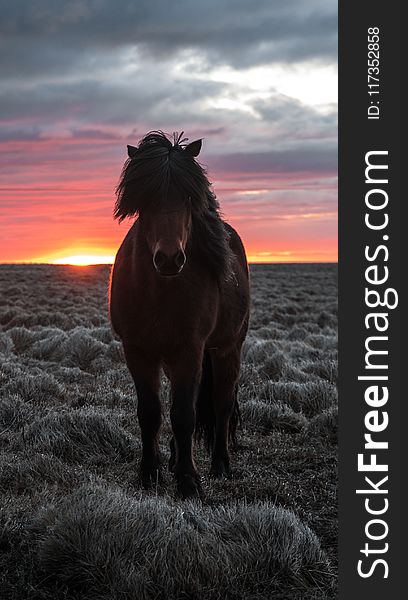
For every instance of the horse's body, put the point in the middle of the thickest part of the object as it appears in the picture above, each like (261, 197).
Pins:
(192, 324)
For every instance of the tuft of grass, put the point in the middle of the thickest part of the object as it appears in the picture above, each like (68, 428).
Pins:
(249, 376)
(81, 348)
(297, 333)
(79, 435)
(273, 366)
(256, 351)
(320, 395)
(103, 334)
(115, 352)
(105, 543)
(325, 369)
(310, 398)
(19, 474)
(273, 416)
(73, 375)
(6, 344)
(22, 339)
(270, 333)
(297, 375)
(322, 342)
(38, 389)
(325, 319)
(50, 347)
(323, 426)
(14, 413)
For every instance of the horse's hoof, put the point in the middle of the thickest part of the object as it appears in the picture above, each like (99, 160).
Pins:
(219, 470)
(150, 477)
(189, 486)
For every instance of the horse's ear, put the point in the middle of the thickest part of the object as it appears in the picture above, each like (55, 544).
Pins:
(131, 151)
(194, 148)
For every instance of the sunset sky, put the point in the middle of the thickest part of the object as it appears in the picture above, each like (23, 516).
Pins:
(81, 79)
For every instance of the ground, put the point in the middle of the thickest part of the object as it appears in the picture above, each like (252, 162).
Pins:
(74, 522)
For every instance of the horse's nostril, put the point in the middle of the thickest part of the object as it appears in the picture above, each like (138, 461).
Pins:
(159, 259)
(179, 259)
(169, 264)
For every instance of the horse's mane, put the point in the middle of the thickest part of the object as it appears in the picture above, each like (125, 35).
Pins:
(158, 164)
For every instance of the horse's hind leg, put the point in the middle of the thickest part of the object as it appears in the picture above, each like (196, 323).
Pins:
(145, 374)
(225, 376)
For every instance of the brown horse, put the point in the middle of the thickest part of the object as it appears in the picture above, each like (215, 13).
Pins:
(179, 299)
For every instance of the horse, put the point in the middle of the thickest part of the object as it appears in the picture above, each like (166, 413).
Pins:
(179, 301)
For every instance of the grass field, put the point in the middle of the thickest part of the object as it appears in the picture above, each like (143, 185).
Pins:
(74, 522)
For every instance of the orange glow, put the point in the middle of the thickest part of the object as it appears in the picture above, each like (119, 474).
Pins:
(291, 257)
(254, 255)
(83, 260)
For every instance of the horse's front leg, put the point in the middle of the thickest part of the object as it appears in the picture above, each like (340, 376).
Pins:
(145, 373)
(185, 374)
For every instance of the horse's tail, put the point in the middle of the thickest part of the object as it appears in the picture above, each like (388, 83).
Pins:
(235, 419)
(205, 414)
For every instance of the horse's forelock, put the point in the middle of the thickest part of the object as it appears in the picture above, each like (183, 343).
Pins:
(154, 165)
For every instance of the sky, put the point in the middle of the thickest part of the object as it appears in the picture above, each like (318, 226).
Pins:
(257, 80)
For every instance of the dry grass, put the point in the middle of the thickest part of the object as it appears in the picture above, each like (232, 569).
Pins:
(74, 522)
(109, 544)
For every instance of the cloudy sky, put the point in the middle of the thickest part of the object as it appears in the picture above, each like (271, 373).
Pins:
(80, 79)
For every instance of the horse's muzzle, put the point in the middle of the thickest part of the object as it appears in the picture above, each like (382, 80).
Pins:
(169, 265)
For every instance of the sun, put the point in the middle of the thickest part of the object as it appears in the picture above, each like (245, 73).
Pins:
(84, 260)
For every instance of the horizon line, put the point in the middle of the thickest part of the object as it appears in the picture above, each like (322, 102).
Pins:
(272, 262)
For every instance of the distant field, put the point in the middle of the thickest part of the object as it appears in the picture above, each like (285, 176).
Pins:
(74, 522)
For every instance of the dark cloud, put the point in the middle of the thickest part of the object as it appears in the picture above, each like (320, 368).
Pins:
(11, 133)
(144, 96)
(313, 156)
(93, 134)
(49, 35)
(295, 119)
